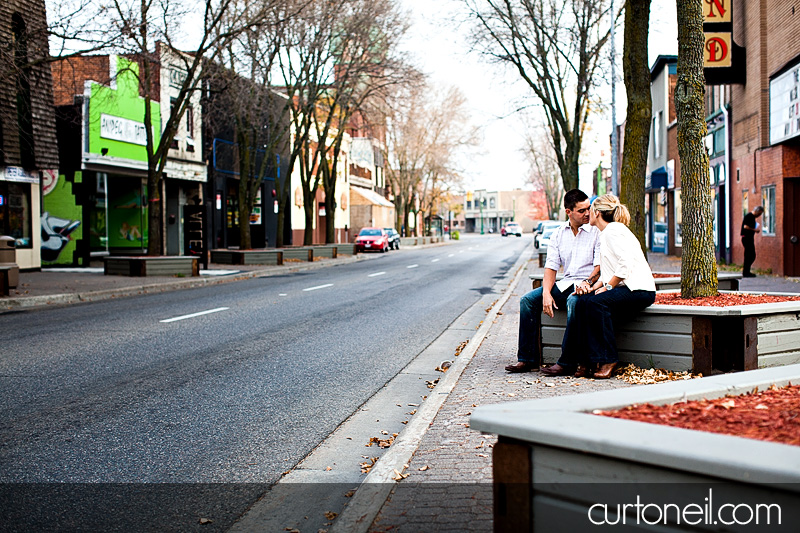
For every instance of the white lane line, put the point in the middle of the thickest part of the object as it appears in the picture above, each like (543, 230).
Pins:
(283, 294)
(201, 313)
(434, 260)
(451, 255)
(412, 266)
(376, 274)
(318, 287)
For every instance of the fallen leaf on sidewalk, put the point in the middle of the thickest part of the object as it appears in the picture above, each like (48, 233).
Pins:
(549, 384)
(204, 521)
(482, 455)
(511, 394)
(423, 468)
(461, 347)
(328, 469)
(349, 494)
(432, 384)
(398, 476)
(367, 466)
(330, 515)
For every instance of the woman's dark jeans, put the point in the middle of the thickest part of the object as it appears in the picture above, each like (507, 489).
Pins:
(597, 315)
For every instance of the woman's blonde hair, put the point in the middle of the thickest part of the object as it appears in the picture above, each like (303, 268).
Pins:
(611, 210)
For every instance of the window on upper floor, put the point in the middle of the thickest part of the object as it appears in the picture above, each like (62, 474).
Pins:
(657, 119)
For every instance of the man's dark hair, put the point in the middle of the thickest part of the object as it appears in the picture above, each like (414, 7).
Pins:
(572, 198)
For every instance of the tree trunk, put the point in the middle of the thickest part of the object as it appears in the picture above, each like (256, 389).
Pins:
(569, 167)
(640, 111)
(698, 266)
(155, 244)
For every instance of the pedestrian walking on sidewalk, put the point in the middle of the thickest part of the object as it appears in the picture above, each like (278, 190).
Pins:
(626, 286)
(576, 247)
(749, 229)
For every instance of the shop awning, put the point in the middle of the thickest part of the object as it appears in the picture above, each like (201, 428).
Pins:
(656, 180)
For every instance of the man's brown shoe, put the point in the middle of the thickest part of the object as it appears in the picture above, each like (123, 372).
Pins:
(605, 371)
(556, 370)
(583, 372)
(522, 366)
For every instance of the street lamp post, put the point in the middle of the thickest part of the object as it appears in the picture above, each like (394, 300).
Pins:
(480, 205)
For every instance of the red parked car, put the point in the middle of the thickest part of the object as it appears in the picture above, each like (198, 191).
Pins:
(372, 239)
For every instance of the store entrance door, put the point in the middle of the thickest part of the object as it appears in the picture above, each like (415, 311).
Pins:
(791, 235)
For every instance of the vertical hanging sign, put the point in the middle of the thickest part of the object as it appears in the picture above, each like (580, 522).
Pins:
(723, 59)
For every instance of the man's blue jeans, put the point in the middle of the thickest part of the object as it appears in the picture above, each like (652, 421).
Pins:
(530, 320)
(599, 313)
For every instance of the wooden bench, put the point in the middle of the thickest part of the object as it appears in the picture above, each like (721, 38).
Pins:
(144, 266)
(247, 257)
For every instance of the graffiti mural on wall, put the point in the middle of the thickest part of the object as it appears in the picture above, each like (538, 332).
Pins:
(61, 221)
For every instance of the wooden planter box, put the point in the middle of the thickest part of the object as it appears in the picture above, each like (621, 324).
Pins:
(302, 253)
(699, 338)
(346, 249)
(141, 266)
(247, 257)
(557, 467)
(330, 251)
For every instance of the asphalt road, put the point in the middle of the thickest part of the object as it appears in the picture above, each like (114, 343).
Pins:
(219, 390)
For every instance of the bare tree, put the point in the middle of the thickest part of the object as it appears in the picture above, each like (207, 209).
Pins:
(637, 124)
(544, 173)
(368, 63)
(698, 267)
(244, 95)
(424, 140)
(555, 47)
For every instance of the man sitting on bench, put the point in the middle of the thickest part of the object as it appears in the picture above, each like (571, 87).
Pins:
(576, 247)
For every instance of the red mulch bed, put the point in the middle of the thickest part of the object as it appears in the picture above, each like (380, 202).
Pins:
(722, 300)
(663, 275)
(772, 415)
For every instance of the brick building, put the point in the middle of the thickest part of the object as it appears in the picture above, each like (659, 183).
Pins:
(765, 136)
(28, 149)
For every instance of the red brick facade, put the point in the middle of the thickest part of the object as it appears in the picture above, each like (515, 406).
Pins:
(770, 32)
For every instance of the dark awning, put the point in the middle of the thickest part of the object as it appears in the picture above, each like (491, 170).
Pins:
(656, 180)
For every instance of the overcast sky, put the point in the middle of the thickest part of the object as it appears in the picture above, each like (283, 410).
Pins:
(493, 95)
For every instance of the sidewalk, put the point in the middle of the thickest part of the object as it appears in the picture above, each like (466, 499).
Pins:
(448, 487)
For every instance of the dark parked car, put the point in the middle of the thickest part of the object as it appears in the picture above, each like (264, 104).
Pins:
(372, 239)
(394, 238)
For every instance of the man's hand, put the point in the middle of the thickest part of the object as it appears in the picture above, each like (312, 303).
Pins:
(548, 304)
(582, 287)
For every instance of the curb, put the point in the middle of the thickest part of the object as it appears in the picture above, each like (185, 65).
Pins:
(31, 302)
(373, 491)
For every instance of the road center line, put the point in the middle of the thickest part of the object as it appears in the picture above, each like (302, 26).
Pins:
(451, 255)
(318, 287)
(376, 274)
(184, 317)
(412, 266)
(434, 260)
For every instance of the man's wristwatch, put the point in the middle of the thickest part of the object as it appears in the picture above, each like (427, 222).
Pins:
(608, 286)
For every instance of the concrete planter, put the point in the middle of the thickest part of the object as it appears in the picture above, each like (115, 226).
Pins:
(699, 338)
(151, 266)
(555, 461)
(247, 257)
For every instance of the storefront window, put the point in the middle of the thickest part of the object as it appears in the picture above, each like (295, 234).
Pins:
(15, 212)
(768, 196)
